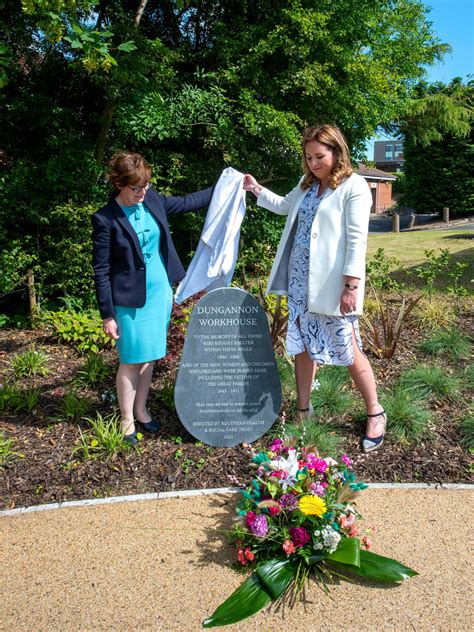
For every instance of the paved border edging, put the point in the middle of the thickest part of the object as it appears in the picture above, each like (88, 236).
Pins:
(202, 492)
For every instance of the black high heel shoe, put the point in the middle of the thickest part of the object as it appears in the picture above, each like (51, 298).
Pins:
(369, 444)
(153, 426)
(131, 438)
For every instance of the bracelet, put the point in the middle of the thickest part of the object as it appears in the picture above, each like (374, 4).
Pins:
(349, 286)
(256, 186)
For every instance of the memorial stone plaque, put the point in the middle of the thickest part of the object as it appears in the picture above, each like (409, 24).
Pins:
(228, 389)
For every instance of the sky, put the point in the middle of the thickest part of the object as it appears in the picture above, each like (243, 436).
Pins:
(453, 24)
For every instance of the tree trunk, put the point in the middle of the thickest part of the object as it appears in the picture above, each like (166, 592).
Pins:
(139, 13)
(107, 119)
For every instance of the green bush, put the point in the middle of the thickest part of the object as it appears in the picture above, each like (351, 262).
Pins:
(72, 406)
(331, 397)
(13, 399)
(7, 454)
(29, 363)
(104, 438)
(430, 382)
(447, 342)
(93, 373)
(83, 330)
(407, 421)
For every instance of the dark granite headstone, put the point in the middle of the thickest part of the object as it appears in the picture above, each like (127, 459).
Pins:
(228, 389)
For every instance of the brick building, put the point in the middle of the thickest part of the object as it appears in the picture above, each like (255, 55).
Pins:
(380, 184)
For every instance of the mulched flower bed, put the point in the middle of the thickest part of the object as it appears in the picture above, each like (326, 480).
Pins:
(48, 471)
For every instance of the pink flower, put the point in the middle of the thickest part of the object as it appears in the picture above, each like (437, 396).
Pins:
(354, 532)
(250, 518)
(351, 519)
(299, 536)
(319, 465)
(259, 526)
(288, 547)
(346, 460)
(274, 511)
(343, 522)
(367, 542)
(276, 446)
(241, 557)
(249, 555)
(317, 489)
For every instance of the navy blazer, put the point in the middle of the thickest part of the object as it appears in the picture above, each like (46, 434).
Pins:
(119, 268)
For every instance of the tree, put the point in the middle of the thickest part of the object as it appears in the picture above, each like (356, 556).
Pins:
(194, 85)
(438, 148)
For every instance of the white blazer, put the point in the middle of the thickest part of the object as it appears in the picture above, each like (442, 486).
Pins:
(338, 242)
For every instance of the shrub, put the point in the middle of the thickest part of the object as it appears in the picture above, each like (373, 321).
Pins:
(14, 399)
(10, 397)
(434, 314)
(447, 342)
(81, 329)
(29, 363)
(408, 421)
(430, 382)
(378, 271)
(104, 438)
(7, 454)
(72, 406)
(93, 373)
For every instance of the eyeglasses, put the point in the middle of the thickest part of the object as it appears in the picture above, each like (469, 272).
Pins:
(138, 189)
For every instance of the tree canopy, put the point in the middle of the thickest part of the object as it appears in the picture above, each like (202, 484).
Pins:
(194, 86)
(438, 136)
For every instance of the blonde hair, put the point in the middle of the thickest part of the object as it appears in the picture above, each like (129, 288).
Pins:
(333, 138)
(127, 168)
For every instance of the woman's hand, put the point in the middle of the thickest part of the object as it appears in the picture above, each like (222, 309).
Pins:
(250, 184)
(109, 325)
(348, 302)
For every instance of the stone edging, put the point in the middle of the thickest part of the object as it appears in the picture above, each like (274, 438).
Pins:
(203, 492)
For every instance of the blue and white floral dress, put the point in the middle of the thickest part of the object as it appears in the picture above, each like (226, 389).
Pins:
(327, 339)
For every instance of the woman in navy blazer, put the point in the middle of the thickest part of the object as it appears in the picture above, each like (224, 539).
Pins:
(135, 263)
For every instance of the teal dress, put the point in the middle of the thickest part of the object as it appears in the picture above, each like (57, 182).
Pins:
(143, 330)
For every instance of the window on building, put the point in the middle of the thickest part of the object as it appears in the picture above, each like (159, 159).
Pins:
(389, 152)
(398, 150)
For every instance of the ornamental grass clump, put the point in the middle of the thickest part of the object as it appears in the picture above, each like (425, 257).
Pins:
(322, 435)
(430, 382)
(408, 420)
(448, 342)
(331, 396)
(298, 519)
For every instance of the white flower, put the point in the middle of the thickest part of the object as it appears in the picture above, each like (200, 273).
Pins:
(289, 466)
(331, 538)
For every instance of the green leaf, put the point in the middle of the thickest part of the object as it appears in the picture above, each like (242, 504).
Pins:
(127, 46)
(277, 575)
(348, 552)
(266, 584)
(379, 568)
(246, 600)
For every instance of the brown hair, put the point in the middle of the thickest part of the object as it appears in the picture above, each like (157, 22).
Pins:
(127, 168)
(332, 137)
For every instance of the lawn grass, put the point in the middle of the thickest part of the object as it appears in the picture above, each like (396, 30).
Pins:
(409, 248)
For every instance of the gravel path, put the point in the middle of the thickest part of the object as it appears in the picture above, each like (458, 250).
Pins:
(161, 565)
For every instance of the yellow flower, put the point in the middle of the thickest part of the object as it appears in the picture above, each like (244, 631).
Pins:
(312, 506)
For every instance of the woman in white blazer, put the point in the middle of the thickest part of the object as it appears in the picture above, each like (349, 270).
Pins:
(320, 266)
